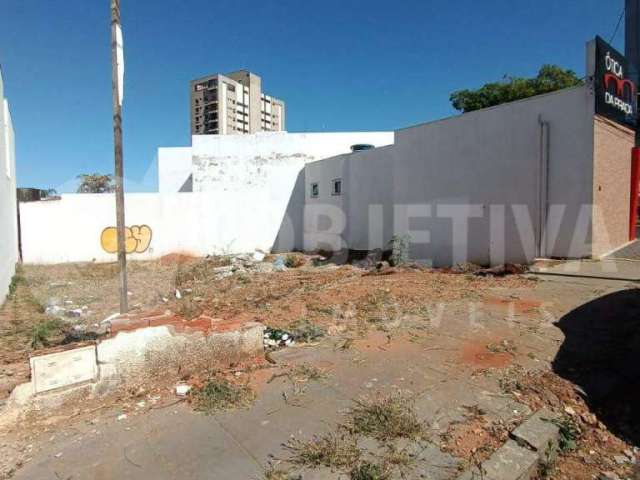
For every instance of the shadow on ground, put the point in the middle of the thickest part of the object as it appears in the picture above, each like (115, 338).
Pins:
(601, 354)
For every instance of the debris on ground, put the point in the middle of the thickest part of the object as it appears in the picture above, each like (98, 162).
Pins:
(496, 271)
(466, 267)
(307, 302)
(275, 338)
(279, 264)
(305, 331)
(503, 270)
(372, 260)
(182, 390)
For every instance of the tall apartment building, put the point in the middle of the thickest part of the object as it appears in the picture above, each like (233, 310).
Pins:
(233, 104)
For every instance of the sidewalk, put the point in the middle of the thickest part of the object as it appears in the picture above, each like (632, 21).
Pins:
(606, 269)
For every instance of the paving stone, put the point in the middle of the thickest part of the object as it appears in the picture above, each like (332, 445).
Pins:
(509, 462)
(371, 447)
(502, 407)
(322, 473)
(434, 464)
(538, 431)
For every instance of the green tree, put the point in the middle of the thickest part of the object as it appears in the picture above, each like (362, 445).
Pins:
(96, 183)
(550, 78)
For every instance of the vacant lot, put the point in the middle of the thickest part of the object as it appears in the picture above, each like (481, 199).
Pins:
(65, 304)
(450, 362)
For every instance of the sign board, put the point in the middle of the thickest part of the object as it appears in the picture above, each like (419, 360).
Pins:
(616, 94)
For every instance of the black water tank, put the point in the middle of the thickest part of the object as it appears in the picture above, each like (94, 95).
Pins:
(359, 147)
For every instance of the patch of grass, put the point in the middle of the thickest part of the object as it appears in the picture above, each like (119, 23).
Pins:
(307, 373)
(273, 473)
(569, 434)
(305, 331)
(18, 279)
(510, 384)
(399, 250)
(377, 300)
(397, 458)
(336, 450)
(369, 471)
(219, 394)
(385, 417)
(42, 332)
(294, 260)
(202, 271)
(505, 346)
(189, 308)
(379, 308)
(547, 463)
(326, 310)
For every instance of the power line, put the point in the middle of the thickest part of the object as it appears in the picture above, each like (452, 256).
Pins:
(615, 32)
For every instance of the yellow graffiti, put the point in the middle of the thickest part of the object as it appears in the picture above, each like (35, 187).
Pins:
(137, 239)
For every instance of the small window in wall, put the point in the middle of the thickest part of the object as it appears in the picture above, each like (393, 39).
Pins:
(336, 186)
(315, 190)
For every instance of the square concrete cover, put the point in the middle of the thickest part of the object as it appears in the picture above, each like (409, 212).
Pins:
(62, 369)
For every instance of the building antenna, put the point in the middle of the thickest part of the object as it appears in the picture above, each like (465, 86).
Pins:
(615, 32)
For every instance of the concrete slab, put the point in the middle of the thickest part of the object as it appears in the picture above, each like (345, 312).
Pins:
(63, 369)
(538, 432)
(163, 445)
(509, 462)
(435, 465)
(272, 421)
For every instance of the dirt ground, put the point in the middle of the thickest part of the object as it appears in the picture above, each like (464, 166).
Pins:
(330, 297)
(395, 310)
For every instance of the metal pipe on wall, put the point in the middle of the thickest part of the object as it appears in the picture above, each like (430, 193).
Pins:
(543, 189)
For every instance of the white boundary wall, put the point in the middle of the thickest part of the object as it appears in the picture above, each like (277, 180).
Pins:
(237, 162)
(245, 195)
(485, 167)
(8, 212)
(69, 229)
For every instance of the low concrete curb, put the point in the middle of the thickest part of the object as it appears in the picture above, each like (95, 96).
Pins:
(518, 459)
(96, 369)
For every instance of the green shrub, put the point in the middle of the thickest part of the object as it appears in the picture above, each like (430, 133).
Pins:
(43, 331)
(294, 260)
(399, 250)
(369, 471)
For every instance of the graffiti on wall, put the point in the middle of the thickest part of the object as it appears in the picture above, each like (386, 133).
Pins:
(137, 239)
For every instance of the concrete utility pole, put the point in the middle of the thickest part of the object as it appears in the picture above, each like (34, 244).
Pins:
(117, 77)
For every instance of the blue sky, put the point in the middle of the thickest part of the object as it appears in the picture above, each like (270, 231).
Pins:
(339, 65)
